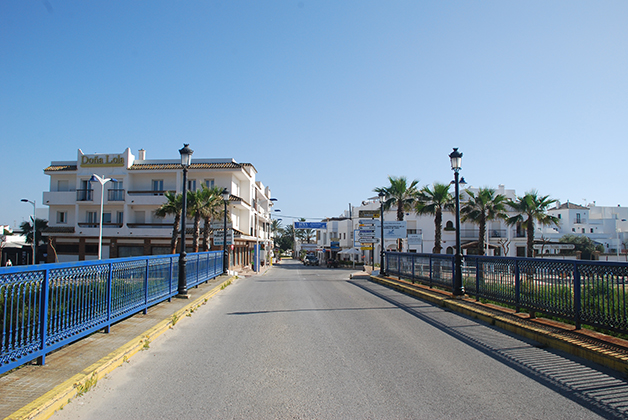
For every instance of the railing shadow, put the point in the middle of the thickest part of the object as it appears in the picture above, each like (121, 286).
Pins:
(601, 392)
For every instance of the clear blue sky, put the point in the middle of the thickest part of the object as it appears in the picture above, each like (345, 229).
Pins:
(325, 98)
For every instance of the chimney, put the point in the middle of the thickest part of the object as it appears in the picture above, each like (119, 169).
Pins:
(141, 154)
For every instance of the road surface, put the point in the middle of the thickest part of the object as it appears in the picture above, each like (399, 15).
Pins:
(310, 343)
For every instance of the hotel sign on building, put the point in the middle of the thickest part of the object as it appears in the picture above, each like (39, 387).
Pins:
(137, 188)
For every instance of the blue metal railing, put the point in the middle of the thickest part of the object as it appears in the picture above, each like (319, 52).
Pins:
(585, 292)
(48, 306)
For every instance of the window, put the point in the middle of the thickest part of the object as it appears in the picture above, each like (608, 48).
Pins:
(63, 185)
(116, 192)
(106, 218)
(62, 217)
(191, 185)
(158, 186)
(582, 230)
(591, 230)
(92, 217)
(140, 217)
(120, 217)
(209, 183)
(578, 218)
(521, 251)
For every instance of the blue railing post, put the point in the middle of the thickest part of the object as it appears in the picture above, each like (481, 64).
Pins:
(430, 271)
(577, 295)
(43, 317)
(109, 297)
(517, 286)
(413, 261)
(145, 311)
(477, 279)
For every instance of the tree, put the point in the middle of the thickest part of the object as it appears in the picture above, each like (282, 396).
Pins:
(583, 244)
(27, 229)
(481, 208)
(173, 205)
(531, 208)
(434, 201)
(212, 208)
(400, 195)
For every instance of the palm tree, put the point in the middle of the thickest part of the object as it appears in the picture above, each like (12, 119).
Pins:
(400, 195)
(434, 201)
(211, 210)
(27, 229)
(531, 208)
(481, 208)
(173, 205)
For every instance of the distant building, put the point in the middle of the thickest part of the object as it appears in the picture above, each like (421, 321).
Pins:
(130, 224)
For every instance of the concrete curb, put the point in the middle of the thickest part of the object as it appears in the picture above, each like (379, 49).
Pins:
(567, 340)
(55, 399)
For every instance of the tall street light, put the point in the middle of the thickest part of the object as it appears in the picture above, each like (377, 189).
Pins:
(381, 196)
(25, 200)
(186, 160)
(102, 180)
(225, 254)
(456, 164)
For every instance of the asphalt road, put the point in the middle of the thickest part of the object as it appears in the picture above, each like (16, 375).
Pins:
(309, 343)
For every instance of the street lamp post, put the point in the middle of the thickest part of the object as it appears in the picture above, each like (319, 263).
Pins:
(225, 258)
(25, 200)
(381, 196)
(102, 180)
(456, 165)
(186, 160)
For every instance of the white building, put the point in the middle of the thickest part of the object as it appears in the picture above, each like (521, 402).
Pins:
(130, 225)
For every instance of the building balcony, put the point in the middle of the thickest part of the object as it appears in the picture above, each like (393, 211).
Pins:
(60, 198)
(115, 195)
(95, 225)
(146, 197)
(85, 195)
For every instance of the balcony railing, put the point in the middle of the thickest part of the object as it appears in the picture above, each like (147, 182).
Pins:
(85, 195)
(115, 195)
(150, 192)
(96, 224)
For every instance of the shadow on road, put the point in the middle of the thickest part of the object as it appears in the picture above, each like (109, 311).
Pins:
(602, 393)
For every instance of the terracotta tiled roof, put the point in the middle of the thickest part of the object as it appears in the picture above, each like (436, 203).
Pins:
(56, 168)
(569, 205)
(217, 165)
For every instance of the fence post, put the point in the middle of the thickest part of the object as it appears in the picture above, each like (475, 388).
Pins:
(413, 260)
(145, 311)
(577, 295)
(43, 316)
(399, 265)
(453, 274)
(517, 286)
(477, 279)
(109, 297)
(170, 279)
(430, 271)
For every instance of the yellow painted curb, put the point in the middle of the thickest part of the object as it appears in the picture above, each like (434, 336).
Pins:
(46, 405)
(572, 346)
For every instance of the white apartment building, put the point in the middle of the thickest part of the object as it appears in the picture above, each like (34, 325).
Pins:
(604, 225)
(130, 225)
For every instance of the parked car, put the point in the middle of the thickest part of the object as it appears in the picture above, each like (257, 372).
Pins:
(310, 260)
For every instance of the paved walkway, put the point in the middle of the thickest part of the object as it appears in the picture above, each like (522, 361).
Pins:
(37, 391)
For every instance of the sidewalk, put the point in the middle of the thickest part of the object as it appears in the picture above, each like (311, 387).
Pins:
(38, 391)
(600, 348)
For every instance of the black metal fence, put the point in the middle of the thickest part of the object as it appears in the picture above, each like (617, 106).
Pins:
(586, 292)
